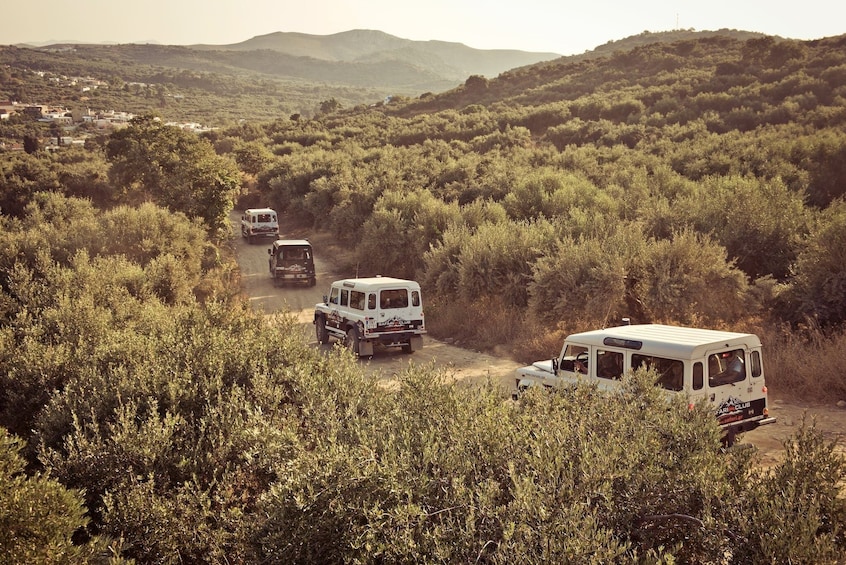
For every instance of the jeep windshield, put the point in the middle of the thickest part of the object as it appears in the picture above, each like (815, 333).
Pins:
(575, 358)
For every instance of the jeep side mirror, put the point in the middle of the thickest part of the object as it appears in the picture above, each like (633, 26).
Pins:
(555, 365)
(269, 251)
(325, 299)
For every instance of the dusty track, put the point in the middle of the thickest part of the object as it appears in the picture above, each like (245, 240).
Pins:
(472, 366)
(461, 364)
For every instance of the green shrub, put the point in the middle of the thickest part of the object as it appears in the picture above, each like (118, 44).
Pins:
(39, 517)
(818, 290)
(795, 512)
(688, 279)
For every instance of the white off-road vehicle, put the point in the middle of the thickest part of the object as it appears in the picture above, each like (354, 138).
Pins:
(259, 223)
(365, 312)
(726, 368)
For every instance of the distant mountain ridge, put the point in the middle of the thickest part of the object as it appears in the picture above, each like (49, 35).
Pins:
(293, 73)
(453, 61)
(358, 58)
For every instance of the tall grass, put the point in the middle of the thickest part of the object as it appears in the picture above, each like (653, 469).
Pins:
(808, 363)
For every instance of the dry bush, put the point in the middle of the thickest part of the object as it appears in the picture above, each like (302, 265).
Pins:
(482, 324)
(494, 326)
(537, 341)
(806, 362)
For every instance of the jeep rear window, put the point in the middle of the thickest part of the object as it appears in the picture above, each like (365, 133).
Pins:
(726, 368)
(757, 371)
(295, 253)
(396, 298)
(264, 218)
(698, 379)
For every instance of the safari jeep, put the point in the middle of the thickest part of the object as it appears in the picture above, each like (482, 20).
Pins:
(725, 368)
(365, 312)
(259, 222)
(291, 261)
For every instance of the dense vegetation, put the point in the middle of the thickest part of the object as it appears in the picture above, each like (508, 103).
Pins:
(691, 182)
(147, 414)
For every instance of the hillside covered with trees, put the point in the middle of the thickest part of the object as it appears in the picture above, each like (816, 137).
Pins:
(148, 415)
(691, 182)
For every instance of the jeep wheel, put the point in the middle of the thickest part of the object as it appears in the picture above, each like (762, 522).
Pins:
(352, 340)
(320, 330)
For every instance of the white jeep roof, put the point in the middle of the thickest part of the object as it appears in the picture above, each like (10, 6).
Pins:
(281, 242)
(668, 341)
(376, 281)
(259, 211)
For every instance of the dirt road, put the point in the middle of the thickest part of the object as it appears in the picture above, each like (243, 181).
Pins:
(472, 366)
(462, 364)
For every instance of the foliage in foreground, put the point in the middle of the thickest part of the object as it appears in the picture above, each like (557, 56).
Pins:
(197, 431)
(39, 516)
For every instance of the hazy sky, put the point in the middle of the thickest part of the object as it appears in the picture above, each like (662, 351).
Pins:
(559, 26)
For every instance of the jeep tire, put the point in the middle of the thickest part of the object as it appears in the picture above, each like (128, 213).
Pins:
(321, 331)
(352, 340)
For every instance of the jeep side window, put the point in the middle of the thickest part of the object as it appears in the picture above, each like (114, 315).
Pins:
(698, 376)
(757, 371)
(357, 300)
(609, 364)
(415, 298)
(371, 301)
(670, 371)
(333, 295)
(575, 358)
(345, 297)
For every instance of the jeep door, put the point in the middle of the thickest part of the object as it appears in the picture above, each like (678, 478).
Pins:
(337, 297)
(727, 378)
